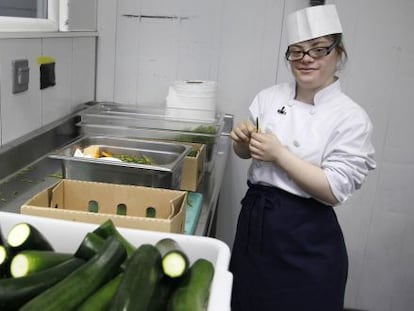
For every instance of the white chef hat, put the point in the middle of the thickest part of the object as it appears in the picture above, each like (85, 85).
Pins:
(312, 22)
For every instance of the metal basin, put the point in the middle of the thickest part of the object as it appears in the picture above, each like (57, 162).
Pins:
(163, 172)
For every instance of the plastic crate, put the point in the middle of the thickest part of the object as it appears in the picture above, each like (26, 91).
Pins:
(65, 236)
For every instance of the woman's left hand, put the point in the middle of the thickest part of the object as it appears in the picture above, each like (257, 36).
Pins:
(265, 146)
(311, 178)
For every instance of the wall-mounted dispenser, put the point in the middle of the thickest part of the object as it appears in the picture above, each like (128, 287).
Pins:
(47, 71)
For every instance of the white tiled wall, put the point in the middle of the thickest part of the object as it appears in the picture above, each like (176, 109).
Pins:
(75, 82)
(22, 112)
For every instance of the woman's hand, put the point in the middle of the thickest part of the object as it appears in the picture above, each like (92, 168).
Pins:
(240, 135)
(311, 178)
(265, 147)
(242, 131)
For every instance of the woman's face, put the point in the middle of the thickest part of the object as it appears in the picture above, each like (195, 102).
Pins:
(314, 73)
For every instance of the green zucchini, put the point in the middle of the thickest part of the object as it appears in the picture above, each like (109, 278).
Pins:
(174, 261)
(141, 278)
(108, 229)
(193, 294)
(14, 292)
(163, 292)
(101, 299)
(4, 261)
(79, 285)
(2, 239)
(89, 246)
(4, 257)
(27, 262)
(25, 236)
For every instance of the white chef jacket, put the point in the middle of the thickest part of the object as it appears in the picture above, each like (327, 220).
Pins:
(334, 134)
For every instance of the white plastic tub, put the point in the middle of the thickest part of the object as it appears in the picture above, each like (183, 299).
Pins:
(65, 236)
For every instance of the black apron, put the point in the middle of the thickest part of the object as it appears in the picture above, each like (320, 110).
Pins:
(288, 255)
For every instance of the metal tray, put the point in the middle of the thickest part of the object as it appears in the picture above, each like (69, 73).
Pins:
(166, 171)
(146, 133)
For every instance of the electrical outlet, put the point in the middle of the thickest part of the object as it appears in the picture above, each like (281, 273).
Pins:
(21, 72)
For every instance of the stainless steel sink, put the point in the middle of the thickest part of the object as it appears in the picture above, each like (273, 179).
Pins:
(25, 168)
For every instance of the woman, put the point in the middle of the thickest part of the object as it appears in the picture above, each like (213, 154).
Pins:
(311, 149)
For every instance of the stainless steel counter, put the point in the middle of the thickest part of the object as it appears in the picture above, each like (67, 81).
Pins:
(26, 169)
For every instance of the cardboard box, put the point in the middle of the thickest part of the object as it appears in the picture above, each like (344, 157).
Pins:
(65, 236)
(193, 168)
(128, 206)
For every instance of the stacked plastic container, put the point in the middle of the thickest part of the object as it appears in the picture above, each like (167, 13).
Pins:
(193, 99)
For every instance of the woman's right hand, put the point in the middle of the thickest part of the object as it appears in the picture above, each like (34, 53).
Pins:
(242, 132)
(240, 135)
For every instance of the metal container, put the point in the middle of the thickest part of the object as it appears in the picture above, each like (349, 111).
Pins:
(210, 140)
(151, 117)
(164, 172)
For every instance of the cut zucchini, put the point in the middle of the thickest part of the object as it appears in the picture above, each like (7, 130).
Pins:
(193, 294)
(30, 261)
(3, 254)
(2, 240)
(4, 261)
(174, 261)
(140, 281)
(102, 298)
(79, 285)
(162, 293)
(108, 229)
(14, 292)
(90, 245)
(25, 236)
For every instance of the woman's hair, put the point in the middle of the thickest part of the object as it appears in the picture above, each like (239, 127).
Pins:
(340, 47)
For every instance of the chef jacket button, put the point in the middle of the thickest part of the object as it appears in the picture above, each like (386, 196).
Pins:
(296, 143)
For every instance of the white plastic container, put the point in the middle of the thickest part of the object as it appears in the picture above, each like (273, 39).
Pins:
(65, 236)
(196, 99)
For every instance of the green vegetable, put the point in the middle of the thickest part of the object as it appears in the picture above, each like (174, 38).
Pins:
(79, 285)
(193, 294)
(101, 299)
(135, 159)
(174, 261)
(163, 292)
(27, 262)
(14, 292)
(193, 153)
(25, 236)
(108, 229)
(205, 137)
(90, 245)
(140, 281)
(4, 261)
(2, 239)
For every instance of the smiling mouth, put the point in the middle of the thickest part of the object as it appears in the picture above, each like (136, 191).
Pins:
(306, 70)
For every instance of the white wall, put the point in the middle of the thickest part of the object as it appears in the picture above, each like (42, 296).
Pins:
(24, 112)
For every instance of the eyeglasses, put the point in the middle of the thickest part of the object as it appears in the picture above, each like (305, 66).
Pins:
(318, 52)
